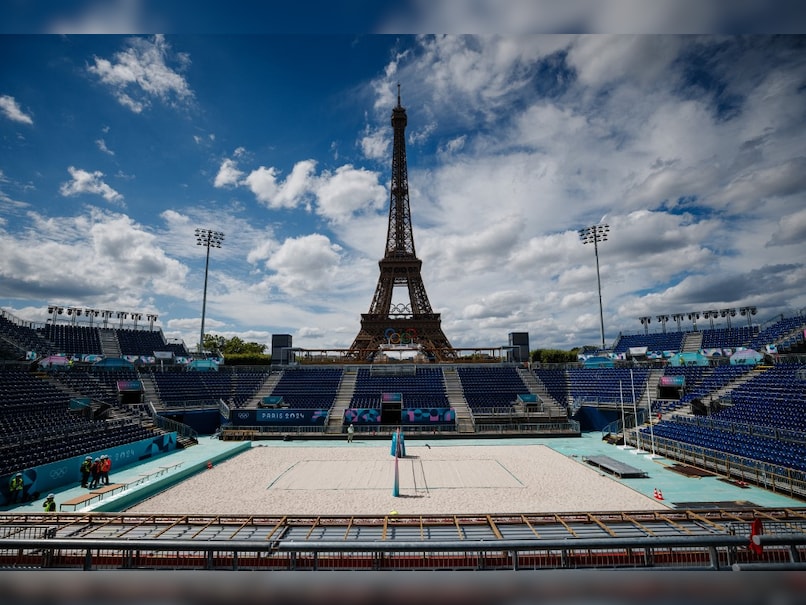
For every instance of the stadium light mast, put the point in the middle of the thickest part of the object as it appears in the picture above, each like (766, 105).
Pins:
(594, 235)
(209, 239)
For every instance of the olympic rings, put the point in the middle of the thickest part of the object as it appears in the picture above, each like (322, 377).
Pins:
(393, 337)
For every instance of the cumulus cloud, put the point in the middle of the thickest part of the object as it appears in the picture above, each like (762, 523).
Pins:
(287, 193)
(89, 258)
(141, 72)
(89, 182)
(302, 263)
(228, 174)
(348, 190)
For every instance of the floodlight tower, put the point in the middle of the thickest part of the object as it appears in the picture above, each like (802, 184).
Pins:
(209, 239)
(594, 235)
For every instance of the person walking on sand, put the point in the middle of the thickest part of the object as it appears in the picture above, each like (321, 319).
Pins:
(350, 431)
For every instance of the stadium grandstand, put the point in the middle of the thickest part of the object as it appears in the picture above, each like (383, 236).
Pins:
(729, 403)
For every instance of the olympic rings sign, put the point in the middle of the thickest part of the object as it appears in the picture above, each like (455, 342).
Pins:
(393, 337)
(58, 473)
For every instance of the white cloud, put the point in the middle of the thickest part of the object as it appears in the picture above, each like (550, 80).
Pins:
(89, 182)
(11, 109)
(107, 17)
(347, 191)
(228, 174)
(141, 72)
(288, 193)
(375, 143)
(595, 16)
(94, 258)
(600, 60)
(102, 146)
(791, 230)
(301, 264)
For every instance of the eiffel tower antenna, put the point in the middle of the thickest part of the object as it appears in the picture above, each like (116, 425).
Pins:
(413, 323)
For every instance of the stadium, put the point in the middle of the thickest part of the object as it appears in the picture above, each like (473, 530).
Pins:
(681, 449)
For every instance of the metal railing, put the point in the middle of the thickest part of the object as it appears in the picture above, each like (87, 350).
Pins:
(773, 477)
(716, 552)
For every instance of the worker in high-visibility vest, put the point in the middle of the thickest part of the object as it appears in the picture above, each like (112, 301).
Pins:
(15, 488)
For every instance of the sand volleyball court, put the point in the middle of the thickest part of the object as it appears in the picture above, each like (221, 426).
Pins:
(359, 480)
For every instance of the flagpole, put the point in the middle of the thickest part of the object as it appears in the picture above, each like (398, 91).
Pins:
(635, 411)
(624, 446)
(652, 430)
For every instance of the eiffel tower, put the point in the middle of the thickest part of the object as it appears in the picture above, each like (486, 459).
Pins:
(387, 323)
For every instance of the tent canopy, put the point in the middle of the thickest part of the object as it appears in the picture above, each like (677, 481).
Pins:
(688, 359)
(111, 363)
(746, 357)
(54, 361)
(599, 362)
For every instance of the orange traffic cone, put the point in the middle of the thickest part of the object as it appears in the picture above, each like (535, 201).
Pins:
(658, 494)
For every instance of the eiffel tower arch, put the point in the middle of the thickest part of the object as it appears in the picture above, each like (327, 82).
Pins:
(400, 323)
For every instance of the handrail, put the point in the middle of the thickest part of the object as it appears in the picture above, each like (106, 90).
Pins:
(659, 552)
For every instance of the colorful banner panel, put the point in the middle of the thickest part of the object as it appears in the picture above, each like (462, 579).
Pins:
(673, 381)
(408, 416)
(286, 416)
(130, 385)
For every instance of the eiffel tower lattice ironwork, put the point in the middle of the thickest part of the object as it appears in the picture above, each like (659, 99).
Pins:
(400, 323)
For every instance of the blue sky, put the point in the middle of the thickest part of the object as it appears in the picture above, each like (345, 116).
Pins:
(114, 148)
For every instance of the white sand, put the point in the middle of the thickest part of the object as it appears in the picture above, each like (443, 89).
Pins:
(359, 480)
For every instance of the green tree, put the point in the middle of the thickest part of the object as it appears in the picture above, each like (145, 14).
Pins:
(232, 346)
(554, 356)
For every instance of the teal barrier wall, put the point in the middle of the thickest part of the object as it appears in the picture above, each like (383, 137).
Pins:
(46, 478)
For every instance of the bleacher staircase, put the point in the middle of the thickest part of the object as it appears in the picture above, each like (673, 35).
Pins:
(110, 347)
(551, 406)
(265, 389)
(692, 342)
(335, 420)
(150, 391)
(456, 399)
(651, 389)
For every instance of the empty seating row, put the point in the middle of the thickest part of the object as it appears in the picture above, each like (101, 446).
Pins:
(666, 341)
(774, 397)
(753, 447)
(309, 388)
(425, 388)
(206, 388)
(724, 338)
(607, 384)
(781, 328)
(491, 389)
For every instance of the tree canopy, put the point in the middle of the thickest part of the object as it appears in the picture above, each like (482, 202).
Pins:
(232, 346)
